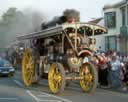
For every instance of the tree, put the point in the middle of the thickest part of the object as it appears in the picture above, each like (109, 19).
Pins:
(15, 23)
(9, 16)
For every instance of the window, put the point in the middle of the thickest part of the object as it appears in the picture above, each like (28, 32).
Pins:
(110, 43)
(110, 19)
(123, 11)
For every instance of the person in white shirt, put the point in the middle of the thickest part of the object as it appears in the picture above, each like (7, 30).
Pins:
(115, 72)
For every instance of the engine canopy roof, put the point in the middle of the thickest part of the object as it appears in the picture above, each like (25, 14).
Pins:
(87, 28)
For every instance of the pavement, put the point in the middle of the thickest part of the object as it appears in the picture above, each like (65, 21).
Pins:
(12, 89)
(119, 90)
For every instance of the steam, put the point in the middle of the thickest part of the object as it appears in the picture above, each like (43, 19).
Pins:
(69, 15)
(28, 21)
(25, 22)
(72, 13)
(35, 19)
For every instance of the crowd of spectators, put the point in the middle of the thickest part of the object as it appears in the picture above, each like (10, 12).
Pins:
(112, 70)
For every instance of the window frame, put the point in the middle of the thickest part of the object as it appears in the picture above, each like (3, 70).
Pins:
(108, 44)
(107, 16)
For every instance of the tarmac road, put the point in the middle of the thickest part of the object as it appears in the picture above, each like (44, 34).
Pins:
(13, 90)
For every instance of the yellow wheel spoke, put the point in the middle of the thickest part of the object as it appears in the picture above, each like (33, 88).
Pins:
(27, 67)
(54, 78)
(86, 82)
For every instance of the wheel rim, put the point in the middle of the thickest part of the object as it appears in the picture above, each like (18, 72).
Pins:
(87, 77)
(27, 67)
(54, 78)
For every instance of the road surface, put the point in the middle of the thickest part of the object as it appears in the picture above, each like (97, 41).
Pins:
(13, 90)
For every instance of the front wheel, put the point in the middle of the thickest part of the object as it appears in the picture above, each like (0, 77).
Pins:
(56, 78)
(89, 78)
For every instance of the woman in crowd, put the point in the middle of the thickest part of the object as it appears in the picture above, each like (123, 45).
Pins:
(103, 71)
(115, 72)
(126, 73)
(122, 76)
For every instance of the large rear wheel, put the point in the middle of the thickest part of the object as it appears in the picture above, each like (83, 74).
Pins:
(56, 78)
(88, 74)
(27, 67)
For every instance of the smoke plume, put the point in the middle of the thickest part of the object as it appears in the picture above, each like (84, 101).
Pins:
(72, 13)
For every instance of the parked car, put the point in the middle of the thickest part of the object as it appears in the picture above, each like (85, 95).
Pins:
(6, 67)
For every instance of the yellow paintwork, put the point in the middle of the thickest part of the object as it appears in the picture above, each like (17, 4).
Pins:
(87, 77)
(54, 78)
(27, 67)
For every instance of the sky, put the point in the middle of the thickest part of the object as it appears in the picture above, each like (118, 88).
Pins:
(88, 9)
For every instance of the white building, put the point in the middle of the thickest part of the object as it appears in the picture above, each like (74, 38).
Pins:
(116, 20)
